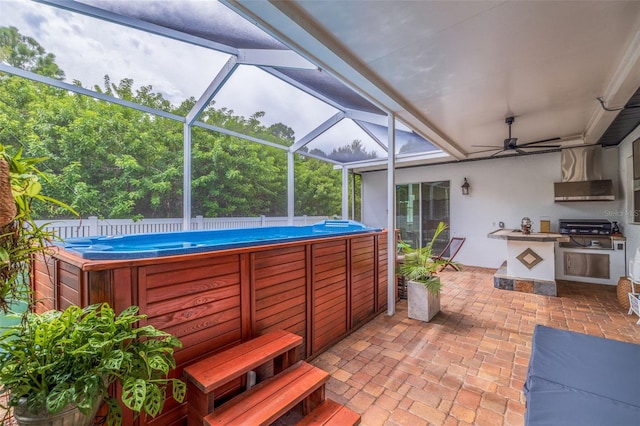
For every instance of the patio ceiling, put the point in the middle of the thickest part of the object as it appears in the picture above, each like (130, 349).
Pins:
(455, 70)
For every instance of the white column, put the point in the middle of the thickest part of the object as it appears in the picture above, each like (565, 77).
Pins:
(345, 193)
(353, 196)
(186, 189)
(290, 188)
(391, 217)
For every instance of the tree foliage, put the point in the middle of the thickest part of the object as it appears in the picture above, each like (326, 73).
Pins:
(115, 162)
(26, 53)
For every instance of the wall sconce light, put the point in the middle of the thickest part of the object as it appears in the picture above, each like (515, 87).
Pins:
(465, 187)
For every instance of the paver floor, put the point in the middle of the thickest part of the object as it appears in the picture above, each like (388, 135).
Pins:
(468, 365)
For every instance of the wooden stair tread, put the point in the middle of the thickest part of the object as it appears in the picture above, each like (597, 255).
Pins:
(271, 399)
(330, 413)
(218, 369)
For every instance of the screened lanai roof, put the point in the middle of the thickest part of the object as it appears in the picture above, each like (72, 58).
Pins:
(206, 51)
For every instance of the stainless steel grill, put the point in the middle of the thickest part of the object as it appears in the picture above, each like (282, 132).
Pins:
(585, 226)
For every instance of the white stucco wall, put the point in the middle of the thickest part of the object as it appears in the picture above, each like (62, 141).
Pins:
(625, 215)
(502, 189)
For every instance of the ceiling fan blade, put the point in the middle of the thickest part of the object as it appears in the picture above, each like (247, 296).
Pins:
(540, 147)
(487, 150)
(496, 153)
(537, 142)
(520, 151)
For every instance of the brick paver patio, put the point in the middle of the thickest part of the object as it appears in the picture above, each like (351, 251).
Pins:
(468, 365)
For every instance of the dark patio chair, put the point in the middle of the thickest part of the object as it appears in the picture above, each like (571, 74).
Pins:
(449, 252)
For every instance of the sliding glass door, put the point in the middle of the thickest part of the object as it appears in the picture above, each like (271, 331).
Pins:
(435, 209)
(419, 209)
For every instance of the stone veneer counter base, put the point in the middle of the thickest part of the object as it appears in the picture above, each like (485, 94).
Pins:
(524, 285)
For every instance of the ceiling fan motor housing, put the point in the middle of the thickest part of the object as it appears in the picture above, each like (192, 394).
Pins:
(510, 143)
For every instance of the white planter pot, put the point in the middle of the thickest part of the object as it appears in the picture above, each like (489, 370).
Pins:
(69, 416)
(422, 304)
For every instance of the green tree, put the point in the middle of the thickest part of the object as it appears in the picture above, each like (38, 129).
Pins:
(115, 162)
(355, 151)
(317, 188)
(26, 53)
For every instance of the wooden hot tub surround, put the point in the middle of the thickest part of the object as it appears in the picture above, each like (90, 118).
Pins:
(320, 289)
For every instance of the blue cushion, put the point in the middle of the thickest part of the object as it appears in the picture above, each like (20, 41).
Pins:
(574, 378)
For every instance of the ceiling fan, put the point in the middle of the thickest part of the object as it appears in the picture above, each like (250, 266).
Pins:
(510, 144)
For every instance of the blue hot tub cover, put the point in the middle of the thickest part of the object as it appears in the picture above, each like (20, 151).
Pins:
(138, 246)
(578, 379)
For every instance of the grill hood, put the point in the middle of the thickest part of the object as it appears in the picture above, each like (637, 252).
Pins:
(582, 176)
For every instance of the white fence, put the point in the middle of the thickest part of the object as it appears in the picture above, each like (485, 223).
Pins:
(93, 226)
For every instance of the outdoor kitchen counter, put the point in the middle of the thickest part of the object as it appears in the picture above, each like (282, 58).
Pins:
(530, 261)
(516, 235)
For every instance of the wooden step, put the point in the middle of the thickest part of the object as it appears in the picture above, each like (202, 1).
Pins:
(221, 368)
(269, 400)
(330, 413)
(210, 373)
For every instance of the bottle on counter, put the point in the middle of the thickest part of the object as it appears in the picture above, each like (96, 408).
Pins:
(545, 224)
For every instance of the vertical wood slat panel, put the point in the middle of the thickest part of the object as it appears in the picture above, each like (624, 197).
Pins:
(45, 283)
(329, 320)
(280, 290)
(362, 279)
(247, 296)
(383, 281)
(69, 286)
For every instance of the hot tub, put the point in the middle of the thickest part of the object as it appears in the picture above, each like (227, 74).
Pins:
(218, 288)
(141, 246)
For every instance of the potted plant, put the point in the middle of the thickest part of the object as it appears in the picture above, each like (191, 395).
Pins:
(420, 269)
(61, 364)
(20, 237)
(58, 366)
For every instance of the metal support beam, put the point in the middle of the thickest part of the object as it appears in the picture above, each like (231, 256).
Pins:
(295, 83)
(345, 193)
(331, 121)
(371, 135)
(290, 188)
(223, 75)
(274, 58)
(239, 135)
(186, 189)
(82, 91)
(391, 219)
(353, 195)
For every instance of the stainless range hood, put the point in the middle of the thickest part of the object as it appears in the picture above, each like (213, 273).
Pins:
(582, 176)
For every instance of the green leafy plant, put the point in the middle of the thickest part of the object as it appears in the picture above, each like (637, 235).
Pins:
(421, 265)
(22, 238)
(57, 358)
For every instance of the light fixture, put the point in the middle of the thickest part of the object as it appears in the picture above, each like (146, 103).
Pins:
(465, 187)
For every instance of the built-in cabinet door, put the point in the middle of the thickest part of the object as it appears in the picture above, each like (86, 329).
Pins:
(591, 265)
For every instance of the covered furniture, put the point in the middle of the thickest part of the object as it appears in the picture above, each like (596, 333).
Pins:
(577, 379)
